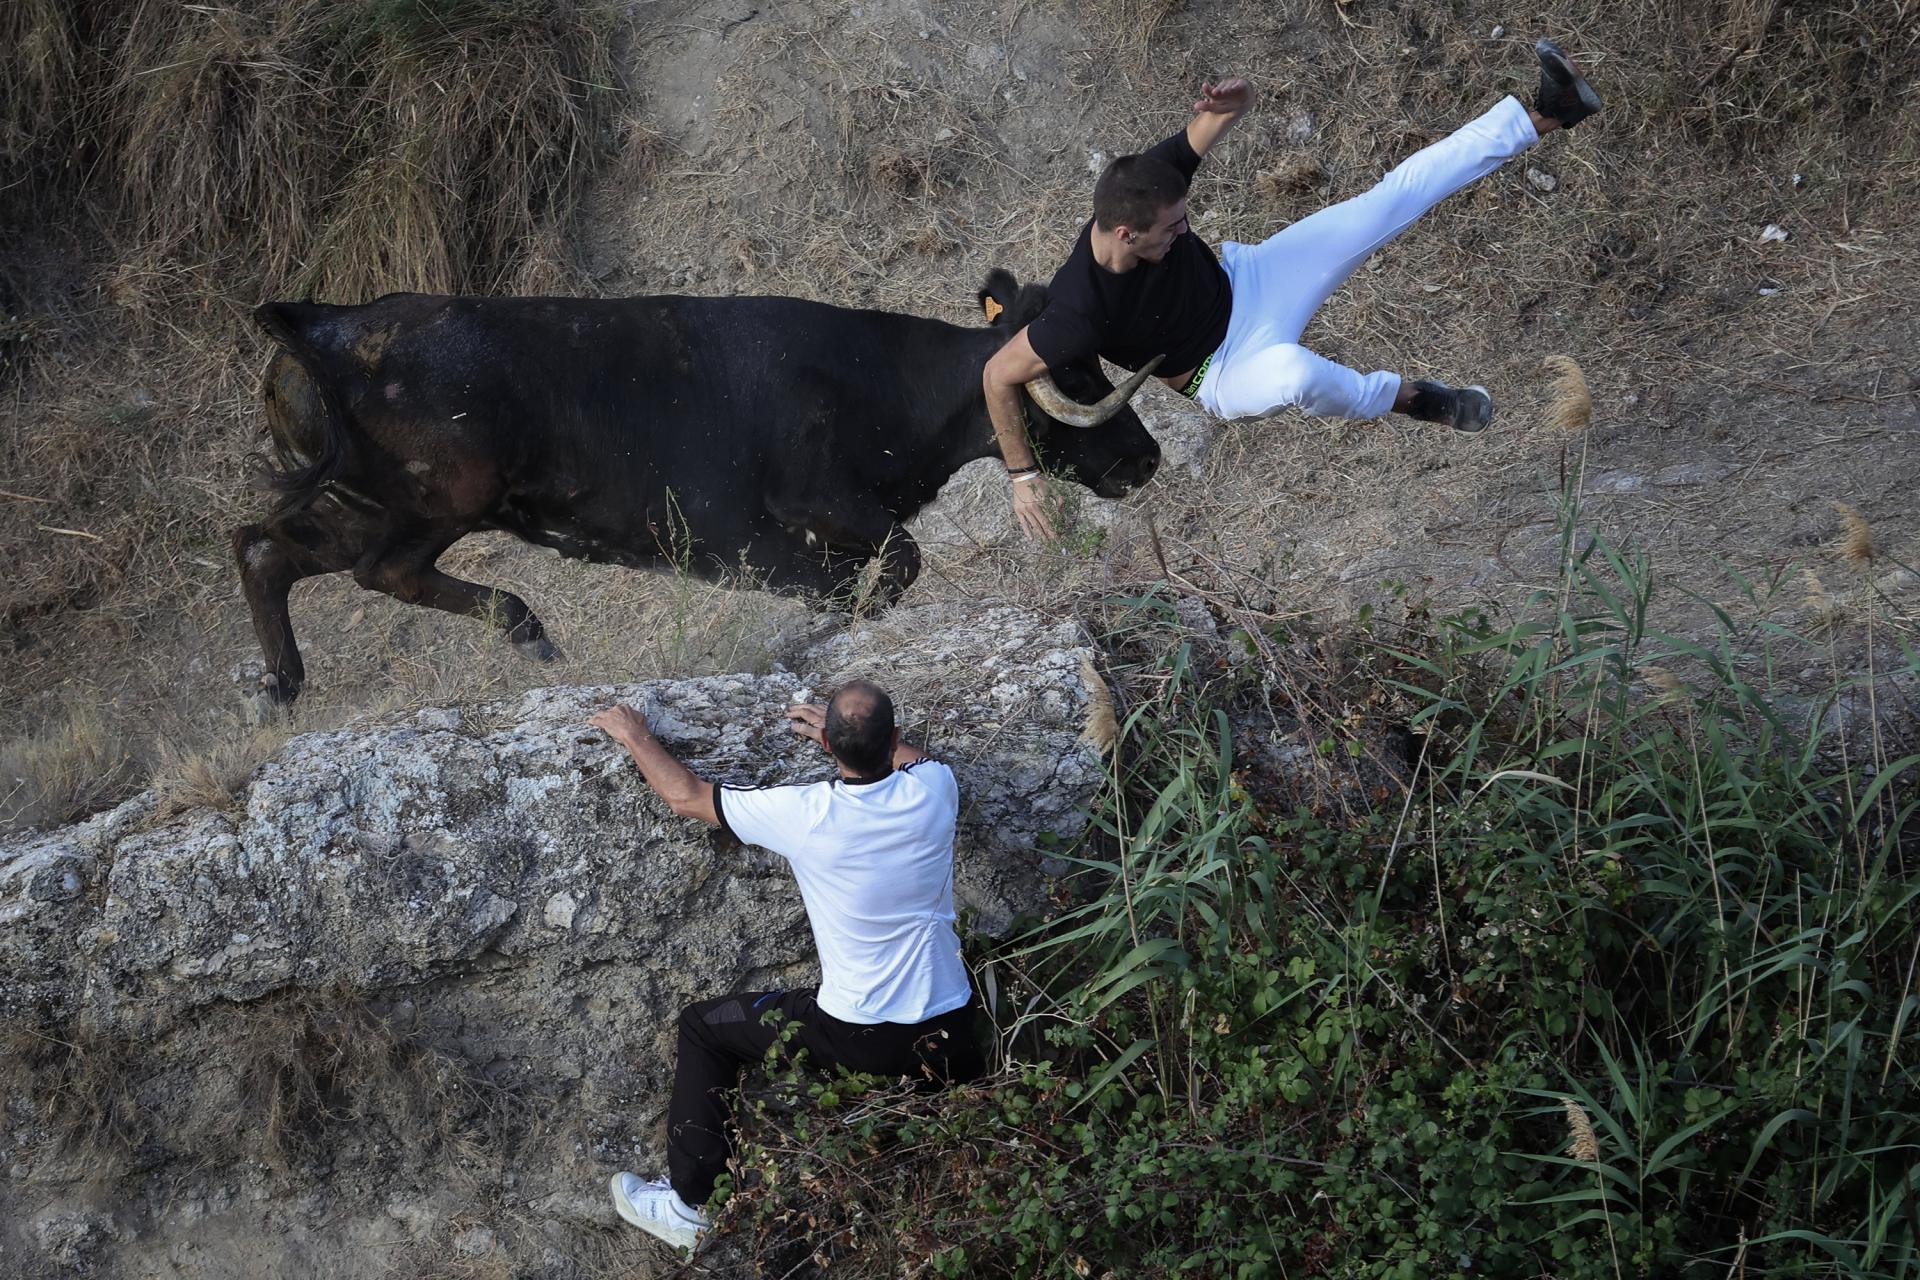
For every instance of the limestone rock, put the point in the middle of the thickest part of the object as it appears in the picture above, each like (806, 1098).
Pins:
(393, 856)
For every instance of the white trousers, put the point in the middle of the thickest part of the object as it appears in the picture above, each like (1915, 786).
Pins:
(1278, 284)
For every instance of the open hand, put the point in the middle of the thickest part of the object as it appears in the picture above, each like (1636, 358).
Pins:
(622, 723)
(809, 720)
(1230, 97)
(1031, 510)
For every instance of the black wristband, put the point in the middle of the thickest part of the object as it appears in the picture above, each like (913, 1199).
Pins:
(1022, 471)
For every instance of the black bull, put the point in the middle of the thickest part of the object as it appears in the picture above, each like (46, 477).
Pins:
(785, 438)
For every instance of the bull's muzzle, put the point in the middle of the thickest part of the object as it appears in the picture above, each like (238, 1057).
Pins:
(1056, 404)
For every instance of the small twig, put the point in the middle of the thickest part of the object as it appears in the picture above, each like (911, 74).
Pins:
(73, 533)
(23, 497)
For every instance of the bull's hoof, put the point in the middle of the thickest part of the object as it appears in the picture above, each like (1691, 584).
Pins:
(271, 699)
(540, 649)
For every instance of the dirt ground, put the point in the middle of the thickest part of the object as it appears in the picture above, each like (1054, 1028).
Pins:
(888, 153)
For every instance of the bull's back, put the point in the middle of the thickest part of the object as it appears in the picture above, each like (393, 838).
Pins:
(599, 418)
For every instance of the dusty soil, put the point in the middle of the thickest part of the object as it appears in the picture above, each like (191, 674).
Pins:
(888, 153)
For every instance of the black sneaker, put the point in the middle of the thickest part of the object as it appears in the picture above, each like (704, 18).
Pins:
(1564, 93)
(1465, 409)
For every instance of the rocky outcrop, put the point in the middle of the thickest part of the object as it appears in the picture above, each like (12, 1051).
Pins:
(500, 887)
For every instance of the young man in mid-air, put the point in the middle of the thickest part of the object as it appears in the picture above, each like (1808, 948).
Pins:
(1140, 288)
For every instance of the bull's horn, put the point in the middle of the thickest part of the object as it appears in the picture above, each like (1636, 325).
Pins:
(1060, 407)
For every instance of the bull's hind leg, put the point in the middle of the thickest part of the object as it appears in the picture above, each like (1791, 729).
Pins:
(324, 537)
(404, 569)
(843, 537)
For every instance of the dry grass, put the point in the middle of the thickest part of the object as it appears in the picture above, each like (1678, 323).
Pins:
(1282, 186)
(292, 1073)
(70, 767)
(347, 150)
(37, 60)
(215, 778)
(79, 1090)
(305, 1064)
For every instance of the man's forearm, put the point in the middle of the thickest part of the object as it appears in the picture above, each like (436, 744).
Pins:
(905, 753)
(685, 791)
(1207, 128)
(1009, 425)
(1219, 109)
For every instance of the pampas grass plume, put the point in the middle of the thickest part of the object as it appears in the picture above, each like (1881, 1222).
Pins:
(1856, 536)
(1102, 728)
(1572, 407)
(1666, 684)
(1582, 1142)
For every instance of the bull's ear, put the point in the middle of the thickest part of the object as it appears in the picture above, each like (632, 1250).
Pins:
(998, 294)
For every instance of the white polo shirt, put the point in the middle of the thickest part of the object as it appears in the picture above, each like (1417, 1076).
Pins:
(874, 861)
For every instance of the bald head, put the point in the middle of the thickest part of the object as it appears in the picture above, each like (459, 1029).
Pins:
(860, 728)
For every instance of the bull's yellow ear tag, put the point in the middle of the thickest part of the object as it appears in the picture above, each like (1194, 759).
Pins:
(993, 309)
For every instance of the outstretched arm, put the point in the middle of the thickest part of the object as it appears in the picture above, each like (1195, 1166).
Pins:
(1012, 367)
(686, 792)
(1218, 110)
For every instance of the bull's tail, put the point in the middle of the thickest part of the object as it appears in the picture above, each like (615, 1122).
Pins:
(300, 470)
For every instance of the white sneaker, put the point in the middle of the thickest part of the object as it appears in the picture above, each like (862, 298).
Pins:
(656, 1208)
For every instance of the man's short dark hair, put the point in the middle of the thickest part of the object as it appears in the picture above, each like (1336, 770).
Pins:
(860, 728)
(1135, 191)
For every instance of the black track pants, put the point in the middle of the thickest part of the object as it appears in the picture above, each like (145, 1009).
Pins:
(718, 1037)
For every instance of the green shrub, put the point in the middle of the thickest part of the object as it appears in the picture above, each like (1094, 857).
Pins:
(1623, 985)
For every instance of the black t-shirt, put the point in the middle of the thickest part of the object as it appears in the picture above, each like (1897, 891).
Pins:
(1179, 305)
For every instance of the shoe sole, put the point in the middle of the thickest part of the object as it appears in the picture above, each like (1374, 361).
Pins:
(1483, 424)
(624, 1207)
(1563, 65)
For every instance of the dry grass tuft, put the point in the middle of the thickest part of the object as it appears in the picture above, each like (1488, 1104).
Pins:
(293, 1071)
(81, 1088)
(347, 150)
(1582, 1142)
(1856, 536)
(305, 1063)
(63, 771)
(899, 172)
(1572, 406)
(1102, 726)
(1280, 187)
(215, 778)
(37, 58)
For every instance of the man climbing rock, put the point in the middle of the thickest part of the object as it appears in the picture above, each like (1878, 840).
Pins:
(1142, 290)
(872, 850)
